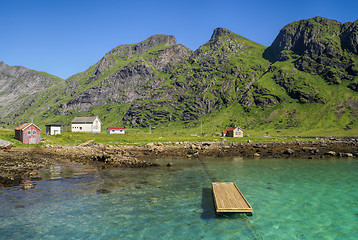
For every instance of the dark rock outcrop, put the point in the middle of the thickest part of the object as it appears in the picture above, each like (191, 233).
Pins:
(349, 37)
(353, 86)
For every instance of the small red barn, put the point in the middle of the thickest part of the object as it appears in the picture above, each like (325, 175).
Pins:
(28, 133)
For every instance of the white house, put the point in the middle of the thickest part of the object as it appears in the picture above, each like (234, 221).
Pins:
(116, 130)
(86, 124)
(53, 129)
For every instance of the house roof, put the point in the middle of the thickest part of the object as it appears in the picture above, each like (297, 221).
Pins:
(116, 128)
(231, 129)
(84, 119)
(53, 125)
(26, 125)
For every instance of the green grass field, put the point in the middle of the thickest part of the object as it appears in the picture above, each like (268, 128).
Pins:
(172, 135)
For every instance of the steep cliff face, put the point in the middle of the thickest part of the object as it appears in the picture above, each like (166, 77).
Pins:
(320, 46)
(349, 36)
(19, 84)
(310, 37)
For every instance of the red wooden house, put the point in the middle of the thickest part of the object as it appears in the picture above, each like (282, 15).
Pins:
(28, 133)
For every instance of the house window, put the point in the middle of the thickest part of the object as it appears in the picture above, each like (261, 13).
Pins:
(80, 128)
(29, 133)
(34, 132)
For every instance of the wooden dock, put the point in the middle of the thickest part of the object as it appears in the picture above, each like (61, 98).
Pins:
(229, 199)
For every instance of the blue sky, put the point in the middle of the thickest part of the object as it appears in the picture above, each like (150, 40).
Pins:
(64, 37)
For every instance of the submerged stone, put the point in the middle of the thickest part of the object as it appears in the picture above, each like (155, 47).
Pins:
(103, 191)
(27, 186)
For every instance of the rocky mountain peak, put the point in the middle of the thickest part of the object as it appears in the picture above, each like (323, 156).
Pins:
(153, 41)
(12, 70)
(222, 36)
(127, 51)
(161, 39)
(305, 37)
(319, 46)
(323, 21)
(220, 32)
(3, 65)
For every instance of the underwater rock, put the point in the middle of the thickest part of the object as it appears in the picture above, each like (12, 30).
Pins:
(346, 155)
(103, 191)
(27, 186)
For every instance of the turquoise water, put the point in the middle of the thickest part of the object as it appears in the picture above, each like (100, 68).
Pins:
(292, 199)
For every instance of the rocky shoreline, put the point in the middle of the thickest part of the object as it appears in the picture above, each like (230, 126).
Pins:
(20, 165)
(324, 148)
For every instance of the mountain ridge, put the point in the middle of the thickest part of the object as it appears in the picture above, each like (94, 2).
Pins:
(311, 63)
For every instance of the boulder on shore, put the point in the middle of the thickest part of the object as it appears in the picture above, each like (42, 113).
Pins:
(331, 153)
(5, 144)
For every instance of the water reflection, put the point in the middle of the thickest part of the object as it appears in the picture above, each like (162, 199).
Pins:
(64, 171)
(207, 204)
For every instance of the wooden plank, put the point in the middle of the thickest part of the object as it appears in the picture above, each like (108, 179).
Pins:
(228, 198)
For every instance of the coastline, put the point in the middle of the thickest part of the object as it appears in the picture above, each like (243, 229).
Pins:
(20, 165)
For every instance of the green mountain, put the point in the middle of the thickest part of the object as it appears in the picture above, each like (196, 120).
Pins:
(19, 88)
(315, 68)
(307, 79)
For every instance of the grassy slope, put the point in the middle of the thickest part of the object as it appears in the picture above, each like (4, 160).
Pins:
(306, 117)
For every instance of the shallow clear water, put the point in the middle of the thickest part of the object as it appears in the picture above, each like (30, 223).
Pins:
(292, 199)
